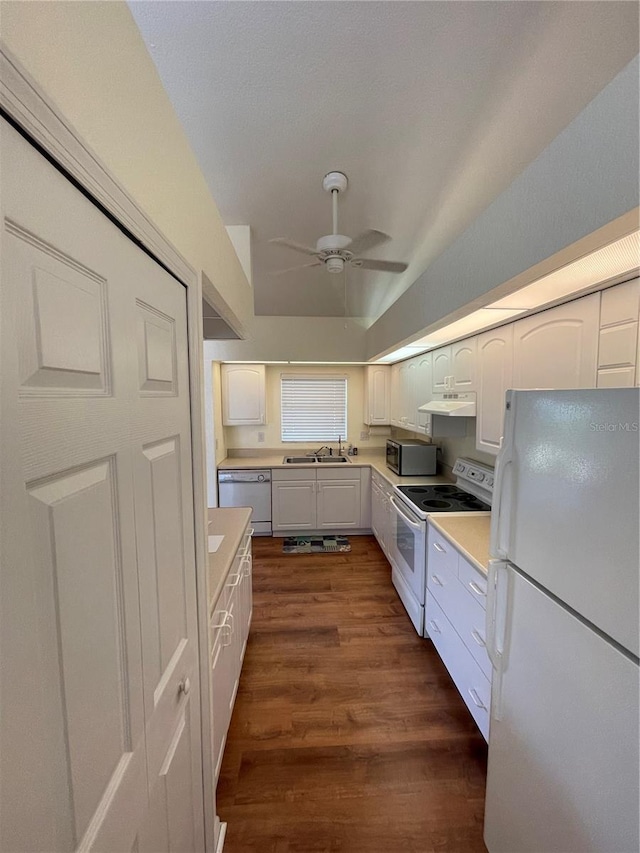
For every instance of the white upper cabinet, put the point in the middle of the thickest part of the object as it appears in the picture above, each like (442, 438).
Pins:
(558, 348)
(243, 394)
(463, 365)
(619, 340)
(423, 384)
(454, 367)
(395, 413)
(441, 369)
(377, 395)
(494, 377)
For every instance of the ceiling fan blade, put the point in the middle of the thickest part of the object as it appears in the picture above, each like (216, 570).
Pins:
(372, 264)
(291, 244)
(301, 267)
(367, 240)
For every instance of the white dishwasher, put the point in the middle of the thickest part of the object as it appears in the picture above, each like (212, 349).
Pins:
(248, 488)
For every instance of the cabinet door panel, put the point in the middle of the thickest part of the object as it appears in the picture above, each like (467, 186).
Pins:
(558, 348)
(293, 505)
(495, 370)
(463, 365)
(243, 394)
(441, 369)
(339, 504)
(377, 395)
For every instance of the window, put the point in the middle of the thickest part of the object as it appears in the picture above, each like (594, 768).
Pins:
(314, 408)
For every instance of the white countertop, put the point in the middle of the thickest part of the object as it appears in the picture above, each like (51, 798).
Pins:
(376, 461)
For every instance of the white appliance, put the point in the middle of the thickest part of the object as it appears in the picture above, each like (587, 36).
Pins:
(451, 404)
(562, 625)
(412, 505)
(248, 488)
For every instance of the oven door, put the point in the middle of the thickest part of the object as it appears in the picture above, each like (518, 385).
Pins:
(408, 546)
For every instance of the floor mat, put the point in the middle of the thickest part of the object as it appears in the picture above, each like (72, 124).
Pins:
(314, 544)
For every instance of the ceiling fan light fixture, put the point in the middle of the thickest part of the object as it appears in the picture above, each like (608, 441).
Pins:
(334, 265)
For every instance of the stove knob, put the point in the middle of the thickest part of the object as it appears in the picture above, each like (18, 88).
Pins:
(261, 478)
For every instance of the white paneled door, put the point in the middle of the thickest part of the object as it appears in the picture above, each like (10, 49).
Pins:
(100, 742)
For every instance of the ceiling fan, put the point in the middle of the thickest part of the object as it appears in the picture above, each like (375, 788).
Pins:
(335, 250)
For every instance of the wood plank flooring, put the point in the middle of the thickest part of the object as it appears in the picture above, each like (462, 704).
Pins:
(348, 735)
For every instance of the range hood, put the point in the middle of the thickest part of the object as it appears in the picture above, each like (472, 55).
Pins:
(451, 405)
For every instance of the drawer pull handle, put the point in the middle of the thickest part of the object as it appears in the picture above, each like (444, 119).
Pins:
(439, 548)
(437, 580)
(434, 627)
(184, 686)
(478, 590)
(234, 579)
(477, 636)
(477, 701)
(223, 619)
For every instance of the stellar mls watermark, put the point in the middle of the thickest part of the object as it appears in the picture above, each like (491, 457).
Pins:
(614, 426)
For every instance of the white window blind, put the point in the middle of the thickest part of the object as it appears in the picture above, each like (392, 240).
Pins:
(314, 408)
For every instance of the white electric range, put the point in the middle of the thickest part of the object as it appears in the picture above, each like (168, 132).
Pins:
(412, 506)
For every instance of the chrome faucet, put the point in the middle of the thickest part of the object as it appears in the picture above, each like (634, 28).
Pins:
(340, 450)
(319, 452)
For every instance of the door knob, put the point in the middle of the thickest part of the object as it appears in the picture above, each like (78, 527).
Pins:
(184, 686)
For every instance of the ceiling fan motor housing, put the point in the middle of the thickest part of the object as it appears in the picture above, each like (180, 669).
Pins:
(334, 264)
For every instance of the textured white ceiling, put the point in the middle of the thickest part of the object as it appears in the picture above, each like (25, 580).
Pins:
(431, 108)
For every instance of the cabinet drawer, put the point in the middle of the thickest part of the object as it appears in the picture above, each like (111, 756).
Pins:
(442, 556)
(469, 620)
(473, 685)
(347, 472)
(443, 583)
(474, 582)
(294, 472)
(618, 346)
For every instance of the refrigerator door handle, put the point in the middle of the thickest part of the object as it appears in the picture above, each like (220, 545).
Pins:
(501, 509)
(496, 629)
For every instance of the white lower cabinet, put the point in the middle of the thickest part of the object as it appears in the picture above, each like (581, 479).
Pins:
(228, 633)
(381, 491)
(293, 500)
(455, 622)
(320, 499)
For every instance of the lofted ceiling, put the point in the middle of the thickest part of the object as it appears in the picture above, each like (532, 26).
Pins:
(431, 109)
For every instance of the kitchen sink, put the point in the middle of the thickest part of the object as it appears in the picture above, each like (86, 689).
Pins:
(311, 460)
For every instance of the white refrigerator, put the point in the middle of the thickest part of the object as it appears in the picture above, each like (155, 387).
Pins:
(562, 625)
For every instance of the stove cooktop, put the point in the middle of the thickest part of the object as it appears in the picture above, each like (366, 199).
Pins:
(443, 499)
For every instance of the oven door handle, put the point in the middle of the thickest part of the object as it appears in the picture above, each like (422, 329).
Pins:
(417, 525)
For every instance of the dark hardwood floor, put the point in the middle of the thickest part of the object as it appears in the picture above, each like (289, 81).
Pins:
(348, 735)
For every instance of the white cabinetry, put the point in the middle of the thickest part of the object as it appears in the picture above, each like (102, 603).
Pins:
(293, 499)
(558, 348)
(454, 367)
(230, 620)
(381, 491)
(377, 395)
(243, 394)
(618, 341)
(338, 499)
(494, 377)
(319, 498)
(422, 389)
(395, 395)
(455, 621)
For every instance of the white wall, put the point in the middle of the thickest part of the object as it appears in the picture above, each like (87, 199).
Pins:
(586, 178)
(294, 339)
(91, 61)
(247, 436)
